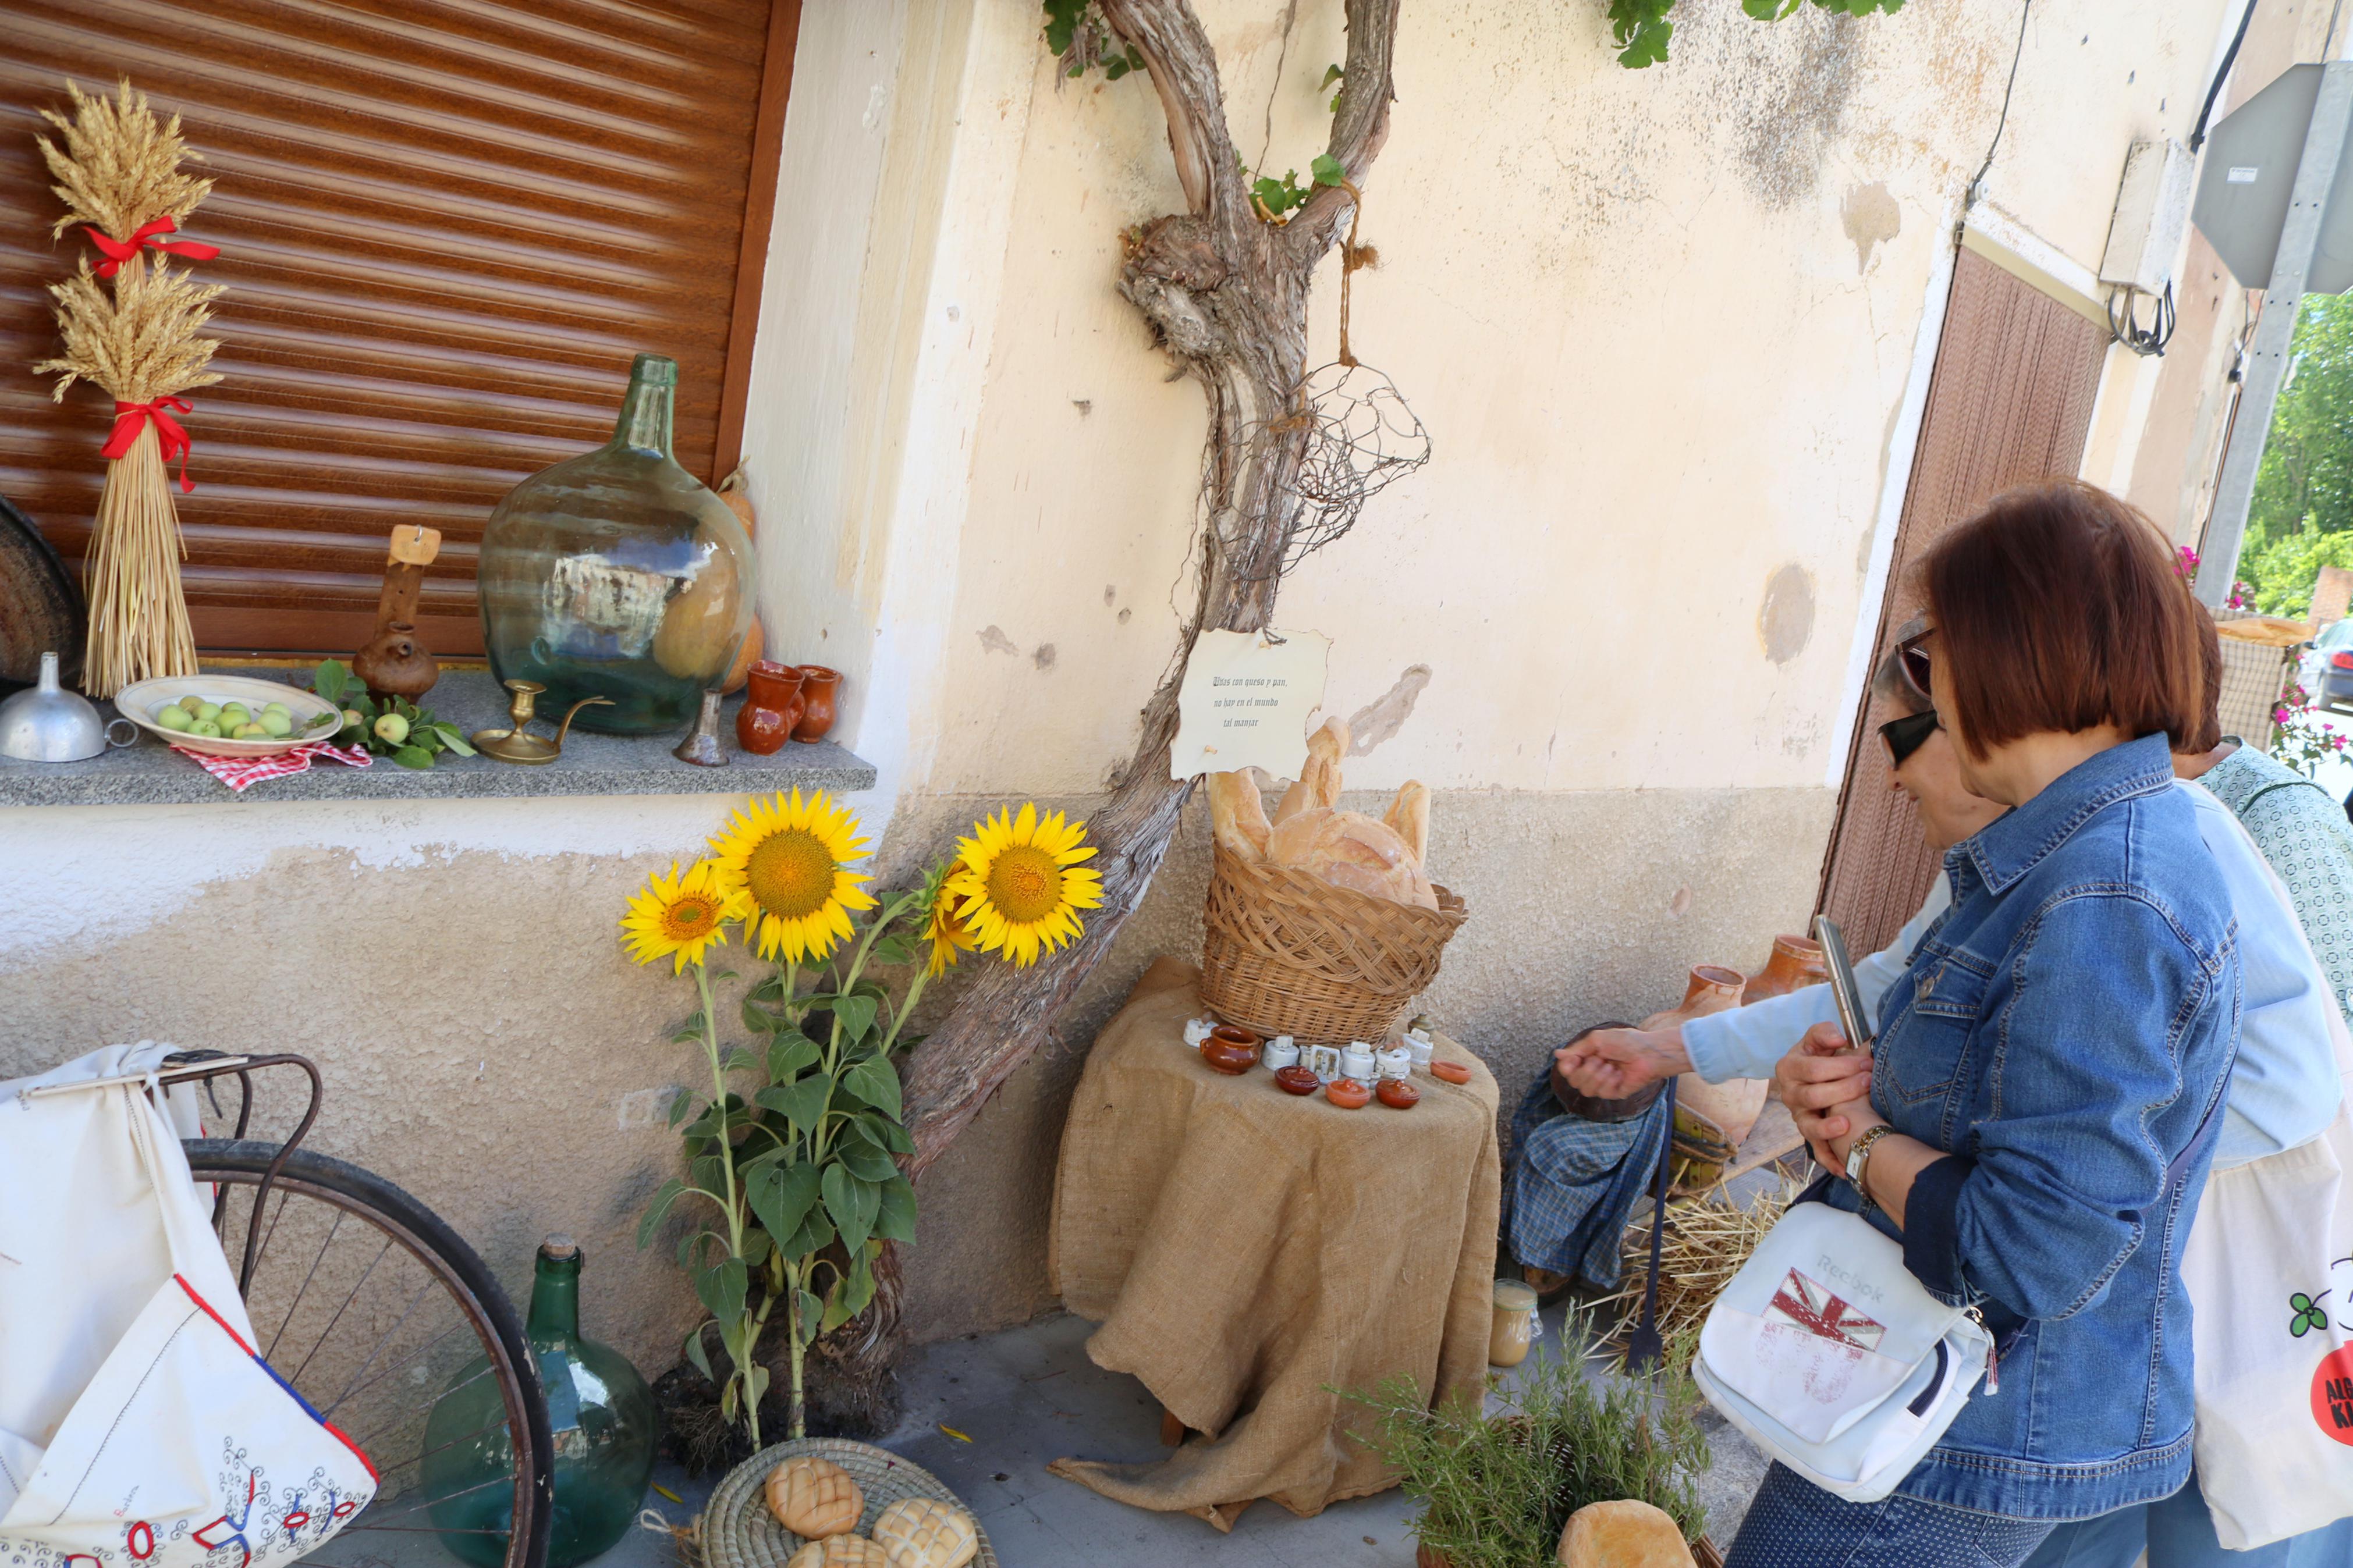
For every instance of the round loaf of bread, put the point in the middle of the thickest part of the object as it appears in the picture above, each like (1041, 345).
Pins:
(924, 1532)
(815, 1498)
(843, 1551)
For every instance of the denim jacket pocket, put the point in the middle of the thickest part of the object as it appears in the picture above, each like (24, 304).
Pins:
(1920, 1054)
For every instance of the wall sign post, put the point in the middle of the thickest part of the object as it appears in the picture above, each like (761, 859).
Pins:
(2238, 197)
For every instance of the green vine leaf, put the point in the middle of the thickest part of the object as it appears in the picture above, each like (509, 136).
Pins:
(1328, 170)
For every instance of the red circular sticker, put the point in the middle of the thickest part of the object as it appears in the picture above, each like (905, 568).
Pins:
(2332, 1395)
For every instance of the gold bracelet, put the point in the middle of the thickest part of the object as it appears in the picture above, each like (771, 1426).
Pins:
(1858, 1161)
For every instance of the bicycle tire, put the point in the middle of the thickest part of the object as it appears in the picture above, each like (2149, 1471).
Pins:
(447, 1257)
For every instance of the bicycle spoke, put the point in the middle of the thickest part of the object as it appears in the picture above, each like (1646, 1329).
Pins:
(391, 1367)
(271, 1234)
(437, 1498)
(383, 1470)
(377, 1432)
(316, 1258)
(338, 1318)
(386, 1338)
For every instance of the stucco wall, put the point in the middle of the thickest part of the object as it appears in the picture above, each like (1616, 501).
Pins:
(1668, 329)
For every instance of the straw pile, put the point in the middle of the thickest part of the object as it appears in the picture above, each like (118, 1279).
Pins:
(1708, 1238)
(140, 341)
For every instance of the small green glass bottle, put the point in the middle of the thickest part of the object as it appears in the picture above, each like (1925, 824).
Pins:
(599, 1409)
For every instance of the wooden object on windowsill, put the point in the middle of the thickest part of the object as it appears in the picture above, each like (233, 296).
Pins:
(394, 663)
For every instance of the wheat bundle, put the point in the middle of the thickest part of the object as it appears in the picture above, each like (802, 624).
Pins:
(1708, 1238)
(119, 175)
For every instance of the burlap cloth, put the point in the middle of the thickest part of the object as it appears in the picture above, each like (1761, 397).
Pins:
(1247, 1252)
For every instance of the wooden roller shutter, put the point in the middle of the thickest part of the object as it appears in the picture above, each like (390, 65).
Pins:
(445, 227)
(2010, 401)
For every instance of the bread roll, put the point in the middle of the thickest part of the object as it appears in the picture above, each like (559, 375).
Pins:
(1351, 850)
(843, 1551)
(814, 1498)
(1409, 818)
(1238, 814)
(924, 1532)
(1295, 799)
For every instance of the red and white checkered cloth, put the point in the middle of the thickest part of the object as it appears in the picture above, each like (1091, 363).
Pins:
(241, 774)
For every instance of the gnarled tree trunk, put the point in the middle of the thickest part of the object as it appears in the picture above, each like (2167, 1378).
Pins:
(1226, 292)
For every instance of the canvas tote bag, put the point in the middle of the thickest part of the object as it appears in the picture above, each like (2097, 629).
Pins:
(2269, 1264)
(137, 1426)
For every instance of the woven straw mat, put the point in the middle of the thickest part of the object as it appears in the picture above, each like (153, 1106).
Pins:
(738, 1531)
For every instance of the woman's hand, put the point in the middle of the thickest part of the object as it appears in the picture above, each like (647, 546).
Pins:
(1610, 1064)
(1826, 1084)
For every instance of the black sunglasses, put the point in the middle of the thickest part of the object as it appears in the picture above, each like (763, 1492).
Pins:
(1911, 662)
(1906, 735)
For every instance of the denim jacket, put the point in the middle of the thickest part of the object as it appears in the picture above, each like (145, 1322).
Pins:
(2061, 1032)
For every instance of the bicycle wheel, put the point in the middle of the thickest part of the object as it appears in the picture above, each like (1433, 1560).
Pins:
(372, 1309)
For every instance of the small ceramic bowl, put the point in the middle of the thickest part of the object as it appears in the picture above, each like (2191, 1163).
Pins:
(1296, 1080)
(1230, 1056)
(1397, 1094)
(1348, 1094)
(1452, 1072)
(314, 718)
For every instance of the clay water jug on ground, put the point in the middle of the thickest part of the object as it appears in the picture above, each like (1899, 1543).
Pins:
(1795, 964)
(1713, 989)
(1733, 1106)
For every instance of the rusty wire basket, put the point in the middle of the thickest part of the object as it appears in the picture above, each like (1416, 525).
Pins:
(1286, 953)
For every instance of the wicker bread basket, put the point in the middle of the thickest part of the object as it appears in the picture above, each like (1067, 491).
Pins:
(1286, 953)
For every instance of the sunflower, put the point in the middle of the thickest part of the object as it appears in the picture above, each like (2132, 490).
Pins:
(1018, 889)
(943, 927)
(787, 855)
(680, 917)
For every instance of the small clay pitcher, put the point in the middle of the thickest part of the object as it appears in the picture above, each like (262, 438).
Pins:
(819, 686)
(396, 664)
(771, 708)
(1796, 963)
(1713, 989)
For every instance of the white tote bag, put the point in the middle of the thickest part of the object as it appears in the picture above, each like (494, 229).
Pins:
(2269, 1266)
(137, 1426)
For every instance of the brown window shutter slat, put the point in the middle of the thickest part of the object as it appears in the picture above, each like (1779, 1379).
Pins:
(446, 226)
(2010, 401)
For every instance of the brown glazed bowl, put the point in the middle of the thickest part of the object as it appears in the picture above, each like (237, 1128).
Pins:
(1397, 1094)
(1296, 1080)
(1232, 1057)
(1452, 1072)
(1234, 1035)
(1348, 1094)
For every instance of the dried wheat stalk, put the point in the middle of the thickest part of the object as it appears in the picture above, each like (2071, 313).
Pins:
(119, 170)
(1707, 1241)
(139, 342)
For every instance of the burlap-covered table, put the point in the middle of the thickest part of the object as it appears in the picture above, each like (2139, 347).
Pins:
(1247, 1251)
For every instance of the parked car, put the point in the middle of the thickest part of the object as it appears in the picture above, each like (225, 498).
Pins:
(2327, 672)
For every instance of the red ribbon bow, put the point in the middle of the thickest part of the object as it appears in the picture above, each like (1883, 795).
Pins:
(118, 251)
(130, 418)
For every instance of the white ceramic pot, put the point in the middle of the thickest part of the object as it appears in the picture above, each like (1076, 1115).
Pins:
(1395, 1062)
(1280, 1053)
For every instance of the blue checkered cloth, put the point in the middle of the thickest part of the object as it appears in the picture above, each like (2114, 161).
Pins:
(1574, 1182)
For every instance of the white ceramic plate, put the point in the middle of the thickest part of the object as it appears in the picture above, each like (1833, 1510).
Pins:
(139, 699)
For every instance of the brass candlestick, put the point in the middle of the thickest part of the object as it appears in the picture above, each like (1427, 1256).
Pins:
(517, 745)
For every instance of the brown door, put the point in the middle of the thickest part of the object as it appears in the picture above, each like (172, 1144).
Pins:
(446, 226)
(2010, 401)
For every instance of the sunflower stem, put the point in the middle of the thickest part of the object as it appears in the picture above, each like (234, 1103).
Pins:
(742, 1370)
(914, 994)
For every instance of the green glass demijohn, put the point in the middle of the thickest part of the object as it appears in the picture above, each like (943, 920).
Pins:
(599, 1409)
(618, 574)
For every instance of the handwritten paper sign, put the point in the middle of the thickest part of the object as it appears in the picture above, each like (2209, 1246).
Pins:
(1246, 701)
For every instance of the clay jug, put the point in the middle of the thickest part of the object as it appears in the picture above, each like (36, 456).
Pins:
(396, 664)
(771, 708)
(819, 686)
(1713, 989)
(1795, 964)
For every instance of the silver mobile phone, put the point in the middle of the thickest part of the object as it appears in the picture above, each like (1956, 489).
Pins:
(1844, 992)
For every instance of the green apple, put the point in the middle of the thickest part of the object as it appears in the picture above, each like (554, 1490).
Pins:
(391, 728)
(209, 712)
(251, 733)
(205, 730)
(191, 703)
(173, 717)
(277, 722)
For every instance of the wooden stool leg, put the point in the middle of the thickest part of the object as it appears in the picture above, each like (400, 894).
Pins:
(1172, 1431)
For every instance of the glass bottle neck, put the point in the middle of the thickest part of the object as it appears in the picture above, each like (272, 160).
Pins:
(555, 1299)
(644, 423)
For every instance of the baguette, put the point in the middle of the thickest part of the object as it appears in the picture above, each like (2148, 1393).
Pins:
(1326, 747)
(1238, 814)
(1409, 818)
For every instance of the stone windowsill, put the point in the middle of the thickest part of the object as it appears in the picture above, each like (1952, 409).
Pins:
(151, 774)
